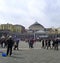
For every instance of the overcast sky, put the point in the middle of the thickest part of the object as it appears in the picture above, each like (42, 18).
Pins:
(26, 12)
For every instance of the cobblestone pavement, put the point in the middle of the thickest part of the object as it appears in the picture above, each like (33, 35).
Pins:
(35, 55)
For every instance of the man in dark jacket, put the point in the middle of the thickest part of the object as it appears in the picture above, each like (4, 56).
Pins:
(10, 43)
(31, 42)
(56, 44)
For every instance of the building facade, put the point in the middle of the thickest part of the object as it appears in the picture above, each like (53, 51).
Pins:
(36, 26)
(12, 28)
(35, 31)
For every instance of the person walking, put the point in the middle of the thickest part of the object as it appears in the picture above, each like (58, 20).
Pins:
(16, 44)
(10, 43)
(43, 43)
(56, 43)
(49, 44)
(31, 42)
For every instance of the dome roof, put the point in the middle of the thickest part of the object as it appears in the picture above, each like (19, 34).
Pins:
(36, 26)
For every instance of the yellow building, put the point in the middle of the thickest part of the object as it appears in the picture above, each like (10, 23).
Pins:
(6, 27)
(19, 28)
(58, 30)
(13, 28)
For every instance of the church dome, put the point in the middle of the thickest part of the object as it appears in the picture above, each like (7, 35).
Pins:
(36, 26)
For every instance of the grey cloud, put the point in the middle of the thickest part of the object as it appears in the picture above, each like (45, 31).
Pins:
(26, 12)
(52, 10)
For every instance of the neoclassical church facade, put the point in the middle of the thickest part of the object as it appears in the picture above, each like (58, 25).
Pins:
(36, 26)
(39, 31)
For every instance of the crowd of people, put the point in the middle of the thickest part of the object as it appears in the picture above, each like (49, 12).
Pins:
(10, 43)
(46, 43)
(51, 43)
